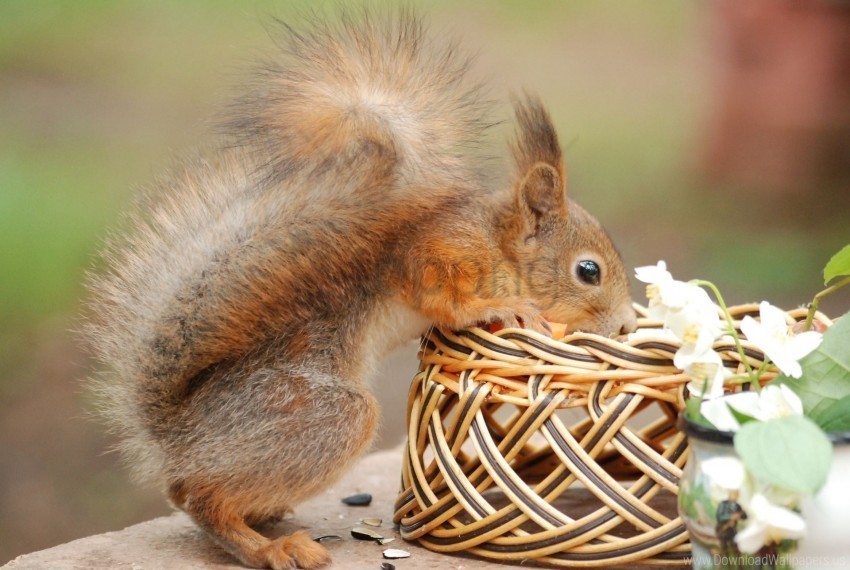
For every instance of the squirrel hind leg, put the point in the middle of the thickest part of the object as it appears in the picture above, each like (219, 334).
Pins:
(214, 511)
(259, 521)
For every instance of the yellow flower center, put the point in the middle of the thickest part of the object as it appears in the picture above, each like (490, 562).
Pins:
(653, 291)
(703, 370)
(691, 334)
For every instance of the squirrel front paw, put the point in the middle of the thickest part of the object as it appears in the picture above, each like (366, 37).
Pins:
(509, 312)
(519, 312)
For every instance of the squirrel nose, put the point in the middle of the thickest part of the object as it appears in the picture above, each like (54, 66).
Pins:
(629, 319)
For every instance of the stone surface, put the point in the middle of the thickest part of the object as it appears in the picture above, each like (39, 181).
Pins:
(174, 542)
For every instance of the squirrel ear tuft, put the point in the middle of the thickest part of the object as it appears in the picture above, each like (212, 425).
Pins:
(536, 139)
(541, 190)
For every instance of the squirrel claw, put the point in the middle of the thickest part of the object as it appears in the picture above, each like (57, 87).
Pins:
(525, 314)
(538, 325)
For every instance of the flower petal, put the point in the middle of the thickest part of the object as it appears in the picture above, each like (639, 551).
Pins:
(754, 331)
(768, 523)
(752, 537)
(694, 317)
(777, 402)
(792, 400)
(785, 362)
(653, 273)
(785, 523)
(702, 364)
(690, 352)
(802, 344)
(675, 294)
(717, 412)
(744, 402)
(772, 336)
(772, 318)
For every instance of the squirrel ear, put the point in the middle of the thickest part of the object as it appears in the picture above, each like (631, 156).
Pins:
(541, 192)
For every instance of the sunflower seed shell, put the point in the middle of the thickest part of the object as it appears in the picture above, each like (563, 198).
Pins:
(363, 533)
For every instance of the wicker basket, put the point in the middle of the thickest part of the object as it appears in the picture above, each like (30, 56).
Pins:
(565, 452)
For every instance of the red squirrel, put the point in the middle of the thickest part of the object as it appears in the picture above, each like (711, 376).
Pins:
(347, 209)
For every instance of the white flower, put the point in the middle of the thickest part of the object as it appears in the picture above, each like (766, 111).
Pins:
(701, 366)
(776, 402)
(654, 273)
(664, 292)
(772, 402)
(698, 318)
(768, 524)
(684, 308)
(717, 410)
(774, 337)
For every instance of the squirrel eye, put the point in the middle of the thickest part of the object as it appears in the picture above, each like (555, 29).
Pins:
(589, 272)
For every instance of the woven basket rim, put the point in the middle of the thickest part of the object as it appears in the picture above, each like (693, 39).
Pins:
(640, 357)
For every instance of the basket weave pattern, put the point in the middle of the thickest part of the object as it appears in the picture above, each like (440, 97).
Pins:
(565, 452)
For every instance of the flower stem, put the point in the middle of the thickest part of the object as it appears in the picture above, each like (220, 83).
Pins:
(813, 306)
(739, 379)
(754, 379)
(763, 368)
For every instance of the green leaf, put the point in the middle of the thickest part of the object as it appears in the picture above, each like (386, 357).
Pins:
(834, 418)
(790, 452)
(826, 371)
(693, 408)
(838, 266)
(740, 417)
(692, 411)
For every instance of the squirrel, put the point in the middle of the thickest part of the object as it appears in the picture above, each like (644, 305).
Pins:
(347, 208)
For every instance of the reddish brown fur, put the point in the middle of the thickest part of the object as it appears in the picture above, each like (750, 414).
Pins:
(239, 320)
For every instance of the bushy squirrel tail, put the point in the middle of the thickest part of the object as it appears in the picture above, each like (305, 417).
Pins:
(364, 89)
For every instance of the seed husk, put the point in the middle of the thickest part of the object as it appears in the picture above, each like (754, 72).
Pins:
(396, 553)
(372, 521)
(363, 533)
(383, 541)
(387, 566)
(327, 537)
(358, 500)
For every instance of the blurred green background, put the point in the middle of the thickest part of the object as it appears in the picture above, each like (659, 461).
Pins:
(95, 97)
